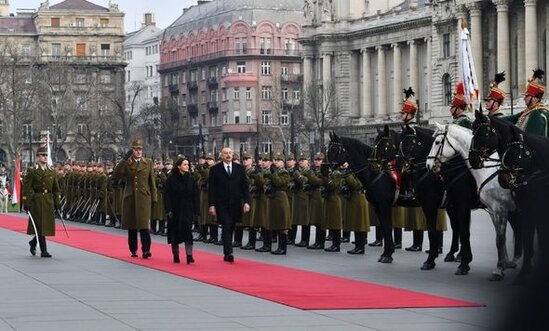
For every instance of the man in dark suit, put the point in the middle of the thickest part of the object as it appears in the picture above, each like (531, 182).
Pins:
(228, 197)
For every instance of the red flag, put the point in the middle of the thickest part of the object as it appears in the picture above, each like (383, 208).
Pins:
(16, 195)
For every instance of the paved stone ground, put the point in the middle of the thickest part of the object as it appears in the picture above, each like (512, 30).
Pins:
(77, 290)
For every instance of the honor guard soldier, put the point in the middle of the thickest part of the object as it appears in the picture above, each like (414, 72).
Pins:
(355, 214)
(262, 203)
(291, 168)
(101, 181)
(496, 96)
(300, 202)
(248, 218)
(316, 202)
(333, 214)
(157, 214)
(40, 197)
(279, 207)
(458, 108)
(110, 195)
(534, 119)
(207, 222)
(139, 195)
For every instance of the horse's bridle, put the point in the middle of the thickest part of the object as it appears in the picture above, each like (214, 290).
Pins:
(440, 150)
(341, 150)
(483, 153)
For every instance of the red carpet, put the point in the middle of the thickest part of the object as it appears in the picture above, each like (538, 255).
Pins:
(293, 287)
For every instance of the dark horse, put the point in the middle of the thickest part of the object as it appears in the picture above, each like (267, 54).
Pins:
(525, 170)
(415, 144)
(380, 186)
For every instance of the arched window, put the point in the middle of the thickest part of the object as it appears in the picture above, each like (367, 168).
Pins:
(446, 89)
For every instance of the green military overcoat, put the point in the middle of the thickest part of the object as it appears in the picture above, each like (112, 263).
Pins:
(300, 201)
(41, 196)
(139, 193)
(279, 206)
(356, 214)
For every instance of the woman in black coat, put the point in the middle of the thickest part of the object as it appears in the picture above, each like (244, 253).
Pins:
(181, 201)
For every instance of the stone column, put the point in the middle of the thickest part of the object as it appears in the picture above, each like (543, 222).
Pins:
(366, 110)
(429, 75)
(326, 69)
(414, 81)
(307, 70)
(475, 11)
(531, 35)
(397, 81)
(503, 56)
(381, 85)
(521, 60)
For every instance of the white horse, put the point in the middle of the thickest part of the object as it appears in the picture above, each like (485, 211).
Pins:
(3, 194)
(453, 139)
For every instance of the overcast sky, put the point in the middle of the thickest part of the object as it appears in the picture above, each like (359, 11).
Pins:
(165, 11)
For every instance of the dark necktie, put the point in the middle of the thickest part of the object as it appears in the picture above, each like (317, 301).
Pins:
(229, 170)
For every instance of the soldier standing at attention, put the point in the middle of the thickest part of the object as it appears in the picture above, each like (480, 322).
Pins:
(40, 197)
(300, 202)
(279, 207)
(138, 197)
(157, 214)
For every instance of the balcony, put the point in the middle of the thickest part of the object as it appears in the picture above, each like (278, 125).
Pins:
(248, 52)
(192, 108)
(212, 82)
(192, 85)
(74, 29)
(239, 128)
(85, 60)
(174, 89)
(290, 104)
(236, 79)
(291, 78)
(212, 106)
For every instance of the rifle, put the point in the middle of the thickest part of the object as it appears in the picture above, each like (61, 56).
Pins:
(241, 152)
(256, 157)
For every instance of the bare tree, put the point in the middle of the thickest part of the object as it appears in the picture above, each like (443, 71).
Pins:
(161, 121)
(321, 111)
(129, 116)
(18, 95)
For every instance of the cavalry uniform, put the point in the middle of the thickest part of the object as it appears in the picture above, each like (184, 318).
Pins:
(534, 119)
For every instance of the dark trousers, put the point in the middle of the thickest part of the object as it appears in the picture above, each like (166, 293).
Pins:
(42, 240)
(145, 240)
(227, 230)
(238, 234)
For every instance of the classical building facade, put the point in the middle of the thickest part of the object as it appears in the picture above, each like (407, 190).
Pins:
(233, 68)
(373, 53)
(72, 52)
(142, 54)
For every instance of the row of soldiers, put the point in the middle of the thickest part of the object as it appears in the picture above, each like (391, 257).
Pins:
(290, 197)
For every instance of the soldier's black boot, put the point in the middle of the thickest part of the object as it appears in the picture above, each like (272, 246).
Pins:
(251, 240)
(213, 234)
(175, 252)
(320, 239)
(43, 247)
(305, 236)
(202, 233)
(336, 241)
(267, 241)
(189, 252)
(291, 235)
(360, 241)
(282, 244)
(32, 245)
(379, 241)
(154, 223)
(346, 237)
(238, 234)
(417, 243)
(398, 237)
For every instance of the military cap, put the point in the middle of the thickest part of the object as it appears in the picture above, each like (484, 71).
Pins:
(303, 156)
(157, 160)
(137, 144)
(265, 156)
(290, 156)
(246, 155)
(535, 88)
(409, 105)
(459, 96)
(209, 156)
(168, 161)
(42, 151)
(278, 156)
(319, 156)
(496, 93)
(236, 156)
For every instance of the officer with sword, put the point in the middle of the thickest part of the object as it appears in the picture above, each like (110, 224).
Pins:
(40, 200)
